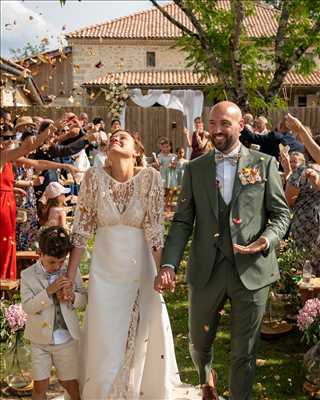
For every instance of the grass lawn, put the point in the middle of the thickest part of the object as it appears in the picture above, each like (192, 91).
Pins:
(280, 375)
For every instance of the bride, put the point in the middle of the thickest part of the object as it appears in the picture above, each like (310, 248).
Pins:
(128, 350)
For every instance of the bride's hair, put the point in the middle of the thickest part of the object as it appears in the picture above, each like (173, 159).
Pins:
(138, 145)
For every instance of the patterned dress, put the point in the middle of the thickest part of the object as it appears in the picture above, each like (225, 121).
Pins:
(305, 228)
(26, 234)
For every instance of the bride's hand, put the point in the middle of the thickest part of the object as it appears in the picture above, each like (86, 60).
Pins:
(166, 279)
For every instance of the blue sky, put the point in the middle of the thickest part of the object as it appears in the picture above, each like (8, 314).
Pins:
(32, 20)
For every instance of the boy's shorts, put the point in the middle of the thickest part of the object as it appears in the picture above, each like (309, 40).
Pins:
(63, 356)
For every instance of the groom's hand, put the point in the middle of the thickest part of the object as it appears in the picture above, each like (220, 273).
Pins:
(259, 245)
(166, 279)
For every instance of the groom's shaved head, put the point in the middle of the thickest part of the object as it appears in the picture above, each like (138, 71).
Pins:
(225, 125)
(227, 107)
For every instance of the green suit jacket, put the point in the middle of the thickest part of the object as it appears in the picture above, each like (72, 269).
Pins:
(256, 209)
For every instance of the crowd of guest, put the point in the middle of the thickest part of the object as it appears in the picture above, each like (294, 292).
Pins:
(43, 163)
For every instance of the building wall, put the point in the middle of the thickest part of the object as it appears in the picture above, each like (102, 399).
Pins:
(10, 96)
(116, 56)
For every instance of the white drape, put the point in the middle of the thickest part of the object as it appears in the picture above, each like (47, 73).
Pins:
(189, 102)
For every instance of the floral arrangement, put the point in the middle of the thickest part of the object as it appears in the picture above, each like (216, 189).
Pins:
(250, 175)
(17, 355)
(116, 96)
(309, 321)
(15, 317)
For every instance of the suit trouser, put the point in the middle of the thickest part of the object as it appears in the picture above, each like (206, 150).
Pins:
(247, 310)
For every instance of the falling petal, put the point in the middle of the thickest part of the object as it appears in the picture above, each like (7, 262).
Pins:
(99, 64)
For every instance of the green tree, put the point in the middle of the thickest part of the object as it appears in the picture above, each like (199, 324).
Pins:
(30, 50)
(250, 71)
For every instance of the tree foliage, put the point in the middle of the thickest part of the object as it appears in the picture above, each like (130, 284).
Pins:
(30, 50)
(250, 71)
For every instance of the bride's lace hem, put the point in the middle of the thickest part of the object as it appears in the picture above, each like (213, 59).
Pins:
(121, 388)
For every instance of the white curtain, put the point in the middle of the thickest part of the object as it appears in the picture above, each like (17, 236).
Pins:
(189, 102)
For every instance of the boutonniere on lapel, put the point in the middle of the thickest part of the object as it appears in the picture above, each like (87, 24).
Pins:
(250, 175)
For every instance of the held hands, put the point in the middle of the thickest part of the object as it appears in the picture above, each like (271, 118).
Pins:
(253, 248)
(62, 283)
(166, 279)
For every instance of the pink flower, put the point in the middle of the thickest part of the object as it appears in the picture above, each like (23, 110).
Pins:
(15, 317)
(309, 314)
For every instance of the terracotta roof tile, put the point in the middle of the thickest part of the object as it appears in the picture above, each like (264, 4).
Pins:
(184, 78)
(151, 24)
(312, 79)
(154, 78)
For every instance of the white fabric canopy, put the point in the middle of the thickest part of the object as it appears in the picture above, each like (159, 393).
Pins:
(189, 102)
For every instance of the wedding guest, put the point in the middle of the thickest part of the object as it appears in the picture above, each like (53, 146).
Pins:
(52, 326)
(303, 134)
(261, 125)
(248, 121)
(26, 233)
(269, 143)
(51, 206)
(84, 119)
(180, 165)
(303, 197)
(115, 125)
(167, 166)
(199, 140)
(8, 268)
(290, 162)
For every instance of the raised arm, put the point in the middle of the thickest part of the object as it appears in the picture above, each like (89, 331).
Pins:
(42, 165)
(302, 133)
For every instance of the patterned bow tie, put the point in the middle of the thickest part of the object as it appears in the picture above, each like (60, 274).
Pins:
(219, 157)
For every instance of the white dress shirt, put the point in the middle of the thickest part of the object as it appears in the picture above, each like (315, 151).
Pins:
(60, 336)
(225, 174)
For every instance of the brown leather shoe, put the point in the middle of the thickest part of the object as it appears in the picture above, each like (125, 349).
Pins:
(210, 392)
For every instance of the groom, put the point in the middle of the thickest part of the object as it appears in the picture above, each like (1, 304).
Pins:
(232, 200)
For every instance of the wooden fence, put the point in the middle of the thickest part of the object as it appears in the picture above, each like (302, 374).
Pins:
(155, 122)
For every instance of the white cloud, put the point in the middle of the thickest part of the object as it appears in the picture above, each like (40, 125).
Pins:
(48, 18)
(20, 25)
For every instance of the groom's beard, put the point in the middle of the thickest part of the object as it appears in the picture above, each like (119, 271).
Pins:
(223, 142)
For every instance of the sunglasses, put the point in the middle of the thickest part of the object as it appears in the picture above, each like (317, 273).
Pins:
(7, 137)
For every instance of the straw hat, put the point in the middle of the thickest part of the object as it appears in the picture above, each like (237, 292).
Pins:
(24, 121)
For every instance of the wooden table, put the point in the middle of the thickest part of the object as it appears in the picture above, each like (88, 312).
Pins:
(8, 287)
(311, 291)
(25, 259)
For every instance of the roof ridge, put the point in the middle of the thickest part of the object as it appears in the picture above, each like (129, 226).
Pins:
(117, 19)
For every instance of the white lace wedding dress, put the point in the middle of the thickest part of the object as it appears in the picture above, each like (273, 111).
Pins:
(127, 350)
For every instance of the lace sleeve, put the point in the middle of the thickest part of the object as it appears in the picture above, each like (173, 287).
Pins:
(154, 222)
(85, 219)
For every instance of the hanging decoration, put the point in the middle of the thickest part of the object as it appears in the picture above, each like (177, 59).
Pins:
(116, 96)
